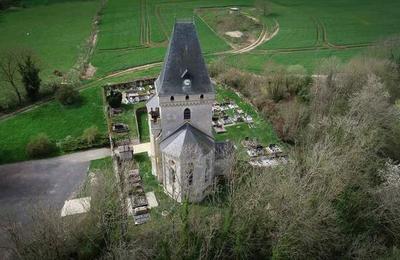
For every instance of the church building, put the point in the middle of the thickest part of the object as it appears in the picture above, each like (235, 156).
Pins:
(180, 119)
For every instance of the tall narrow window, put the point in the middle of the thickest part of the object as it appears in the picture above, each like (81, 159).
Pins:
(206, 171)
(186, 114)
(172, 168)
(189, 173)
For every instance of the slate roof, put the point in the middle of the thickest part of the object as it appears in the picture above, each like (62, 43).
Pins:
(187, 138)
(184, 60)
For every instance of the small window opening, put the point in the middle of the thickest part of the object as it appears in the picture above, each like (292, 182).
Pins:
(172, 98)
(189, 173)
(186, 114)
(187, 97)
(201, 96)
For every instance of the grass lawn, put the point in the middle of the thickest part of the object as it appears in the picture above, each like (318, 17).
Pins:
(100, 166)
(55, 32)
(138, 127)
(126, 117)
(52, 119)
(263, 130)
(143, 126)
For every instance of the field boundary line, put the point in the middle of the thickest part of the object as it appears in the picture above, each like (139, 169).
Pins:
(315, 48)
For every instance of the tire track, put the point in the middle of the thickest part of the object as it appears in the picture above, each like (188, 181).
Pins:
(161, 21)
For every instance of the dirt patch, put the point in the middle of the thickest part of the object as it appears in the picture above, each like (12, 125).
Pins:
(89, 71)
(234, 34)
(238, 29)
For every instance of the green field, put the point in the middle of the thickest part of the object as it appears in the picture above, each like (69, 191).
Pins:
(52, 119)
(133, 33)
(255, 61)
(56, 33)
(308, 29)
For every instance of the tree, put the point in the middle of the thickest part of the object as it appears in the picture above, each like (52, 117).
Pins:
(30, 77)
(114, 99)
(91, 134)
(8, 71)
(67, 95)
(5, 4)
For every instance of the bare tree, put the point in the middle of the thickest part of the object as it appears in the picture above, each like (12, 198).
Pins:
(9, 71)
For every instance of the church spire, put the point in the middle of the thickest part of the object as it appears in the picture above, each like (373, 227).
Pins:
(184, 70)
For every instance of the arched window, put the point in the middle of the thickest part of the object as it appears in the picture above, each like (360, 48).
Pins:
(201, 96)
(186, 114)
(187, 97)
(172, 98)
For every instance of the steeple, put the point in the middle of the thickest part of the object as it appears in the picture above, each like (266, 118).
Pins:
(184, 70)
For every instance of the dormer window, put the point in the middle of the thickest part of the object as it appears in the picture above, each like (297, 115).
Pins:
(172, 98)
(187, 97)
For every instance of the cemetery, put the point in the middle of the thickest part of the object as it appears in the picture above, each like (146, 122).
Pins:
(263, 156)
(124, 118)
(228, 113)
(137, 200)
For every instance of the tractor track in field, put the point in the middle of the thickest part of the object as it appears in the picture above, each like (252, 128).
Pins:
(144, 24)
(161, 21)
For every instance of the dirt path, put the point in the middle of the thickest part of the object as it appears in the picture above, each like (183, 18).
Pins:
(263, 38)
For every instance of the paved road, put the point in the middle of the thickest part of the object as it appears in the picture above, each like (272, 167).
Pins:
(47, 182)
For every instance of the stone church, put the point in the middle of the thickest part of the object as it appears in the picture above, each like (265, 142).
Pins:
(180, 121)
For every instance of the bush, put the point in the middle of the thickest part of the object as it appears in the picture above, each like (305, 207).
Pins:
(40, 146)
(91, 134)
(70, 144)
(67, 95)
(114, 99)
(217, 67)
